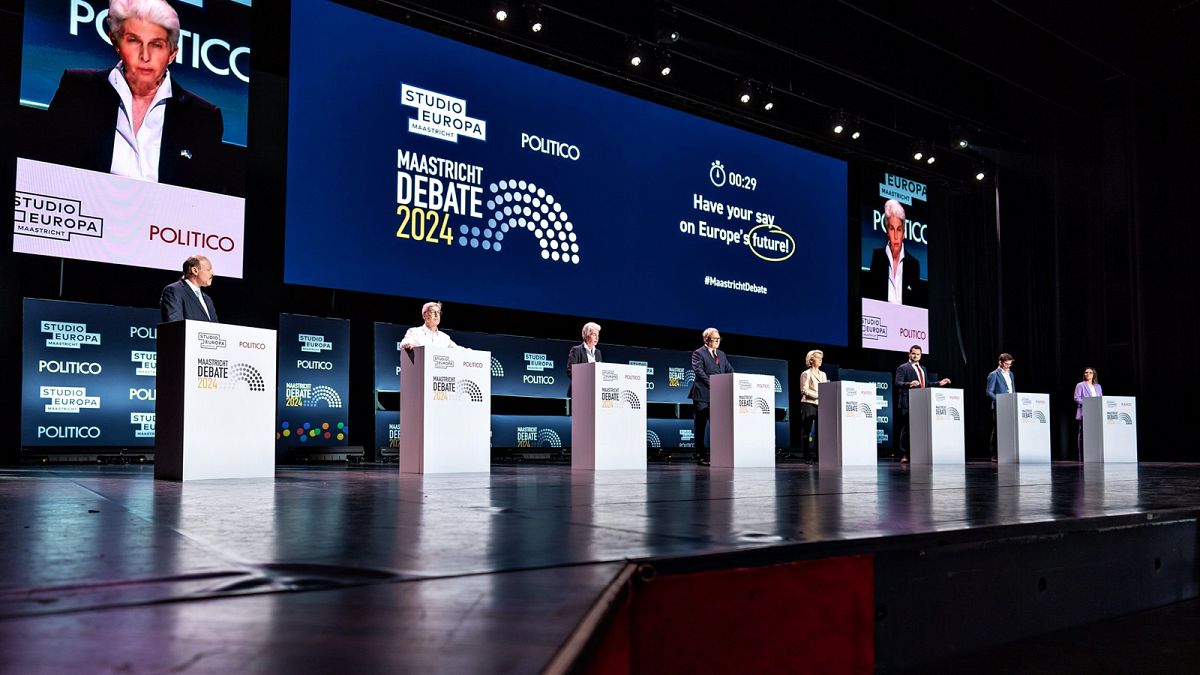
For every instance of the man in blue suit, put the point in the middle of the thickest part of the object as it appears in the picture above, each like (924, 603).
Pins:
(186, 299)
(707, 360)
(911, 375)
(999, 381)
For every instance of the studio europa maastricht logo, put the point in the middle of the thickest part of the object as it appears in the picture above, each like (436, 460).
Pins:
(52, 217)
(514, 205)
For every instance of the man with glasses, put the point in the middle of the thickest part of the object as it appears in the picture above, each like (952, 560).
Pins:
(707, 360)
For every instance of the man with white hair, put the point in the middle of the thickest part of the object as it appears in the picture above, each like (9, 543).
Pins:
(134, 119)
(587, 352)
(707, 360)
(427, 334)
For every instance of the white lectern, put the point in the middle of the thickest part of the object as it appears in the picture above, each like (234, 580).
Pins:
(608, 416)
(742, 420)
(214, 407)
(936, 434)
(846, 424)
(445, 410)
(1110, 429)
(1023, 428)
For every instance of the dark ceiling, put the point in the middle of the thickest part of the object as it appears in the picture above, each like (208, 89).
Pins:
(1011, 74)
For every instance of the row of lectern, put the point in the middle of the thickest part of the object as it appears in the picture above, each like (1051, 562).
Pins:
(216, 399)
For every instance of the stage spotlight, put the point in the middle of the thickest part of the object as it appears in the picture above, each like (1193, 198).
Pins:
(856, 135)
(500, 10)
(533, 12)
(980, 170)
(666, 26)
(768, 96)
(664, 63)
(980, 175)
(919, 151)
(636, 53)
(744, 93)
(839, 122)
(959, 137)
(930, 159)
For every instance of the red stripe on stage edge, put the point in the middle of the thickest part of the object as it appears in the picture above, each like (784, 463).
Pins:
(804, 616)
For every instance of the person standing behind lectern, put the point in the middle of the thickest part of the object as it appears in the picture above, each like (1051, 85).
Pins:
(707, 360)
(587, 352)
(427, 334)
(186, 299)
(911, 375)
(999, 381)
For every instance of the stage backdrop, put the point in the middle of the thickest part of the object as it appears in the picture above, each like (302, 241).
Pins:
(314, 382)
(537, 368)
(468, 176)
(87, 375)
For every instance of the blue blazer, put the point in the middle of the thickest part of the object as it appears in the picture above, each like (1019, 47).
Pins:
(704, 365)
(179, 302)
(996, 385)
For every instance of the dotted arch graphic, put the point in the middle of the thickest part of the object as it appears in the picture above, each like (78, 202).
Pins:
(517, 205)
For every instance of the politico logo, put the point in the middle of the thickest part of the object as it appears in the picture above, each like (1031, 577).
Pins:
(192, 239)
(68, 432)
(252, 345)
(549, 146)
(70, 367)
(142, 394)
(144, 332)
(305, 364)
(472, 364)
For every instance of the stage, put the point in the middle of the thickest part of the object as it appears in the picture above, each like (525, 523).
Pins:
(359, 568)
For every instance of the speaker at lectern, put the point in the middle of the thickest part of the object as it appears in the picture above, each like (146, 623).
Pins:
(215, 401)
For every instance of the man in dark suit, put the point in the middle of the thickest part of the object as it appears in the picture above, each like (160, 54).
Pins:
(911, 375)
(707, 360)
(186, 299)
(587, 352)
(895, 274)
(999, 381)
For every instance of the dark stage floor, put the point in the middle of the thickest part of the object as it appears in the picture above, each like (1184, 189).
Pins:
(359, 568)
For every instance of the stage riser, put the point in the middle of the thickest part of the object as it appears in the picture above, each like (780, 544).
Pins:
(938, 602)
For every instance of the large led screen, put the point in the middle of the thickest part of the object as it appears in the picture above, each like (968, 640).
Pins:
(422, 167)
(894, 264)
(129, 160)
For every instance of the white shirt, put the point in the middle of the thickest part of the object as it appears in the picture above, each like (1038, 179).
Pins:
(895, 276)
(136, 155)
(591, 353)
(199, 295)
(1007, 375)
(421, 336)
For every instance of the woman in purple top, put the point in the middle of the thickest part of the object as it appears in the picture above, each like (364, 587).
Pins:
(1086, 389)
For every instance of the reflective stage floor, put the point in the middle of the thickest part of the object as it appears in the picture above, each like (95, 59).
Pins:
(345, 569)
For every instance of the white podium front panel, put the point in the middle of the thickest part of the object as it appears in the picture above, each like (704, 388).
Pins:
(1110, 429)
(742, 420)
(445, 410)
(215, 401)
(846, 424)
(608, 416)
(936, 434)
(1023, 428)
